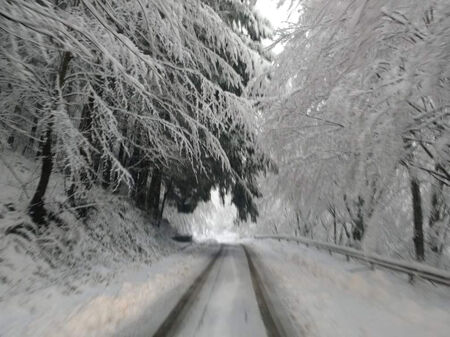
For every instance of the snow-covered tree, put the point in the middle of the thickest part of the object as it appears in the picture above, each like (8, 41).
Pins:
(187, 186)
(104, 86)
(359, 107)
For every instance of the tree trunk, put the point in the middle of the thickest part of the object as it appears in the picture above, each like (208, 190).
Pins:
(107, 166)
(154, 193)
(359, 228)
(36, 209)
(418, 218)
(163, 204)
(437, 214)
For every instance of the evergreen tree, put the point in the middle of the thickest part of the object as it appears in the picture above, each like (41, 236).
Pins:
(193, 183)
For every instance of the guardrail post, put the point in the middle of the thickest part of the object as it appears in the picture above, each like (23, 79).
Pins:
(329, 251)
(411, 278)
(372, 266)
(347, 257)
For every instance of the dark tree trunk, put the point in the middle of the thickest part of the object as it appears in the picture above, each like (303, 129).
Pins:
(163, 204)
(418, 219)
(154, 193)
(107, 166)
(298, 230)
(358, 227)
(36, 208)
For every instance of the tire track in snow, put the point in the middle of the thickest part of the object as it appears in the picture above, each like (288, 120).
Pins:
(269, 309)
(175, 317)
(274, 316)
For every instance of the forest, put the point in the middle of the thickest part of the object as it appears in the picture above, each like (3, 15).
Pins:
(144, 98)
(342, 137)
(224, 168)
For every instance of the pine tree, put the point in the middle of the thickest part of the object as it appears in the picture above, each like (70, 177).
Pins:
(194, 183)
(147, 86)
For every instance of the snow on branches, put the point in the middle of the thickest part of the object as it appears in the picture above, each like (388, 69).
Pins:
(360, 101)
(145, 65)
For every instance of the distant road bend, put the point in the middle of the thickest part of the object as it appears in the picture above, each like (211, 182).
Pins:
(229, 298)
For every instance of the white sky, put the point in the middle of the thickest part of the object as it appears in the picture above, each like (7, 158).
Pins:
(269, 9)
(279, 17)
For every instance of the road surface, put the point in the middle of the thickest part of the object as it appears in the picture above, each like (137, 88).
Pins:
(227, 299)
(279, 289)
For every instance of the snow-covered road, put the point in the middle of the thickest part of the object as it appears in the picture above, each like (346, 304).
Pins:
(228, 298)
(246, 290)
(226, 304)
(304, 292)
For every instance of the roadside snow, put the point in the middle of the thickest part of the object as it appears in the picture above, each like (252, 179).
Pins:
(103, 310)
(328, 296)
(78, 277)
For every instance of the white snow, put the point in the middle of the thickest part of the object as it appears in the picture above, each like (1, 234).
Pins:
(111, 311)
(102, 310)
(328, 296)
(226, 306)
(80, 278)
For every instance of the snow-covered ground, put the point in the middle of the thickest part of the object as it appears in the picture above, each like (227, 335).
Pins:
(328, 296)
(78, 277)
(324, 296)
(103, 310)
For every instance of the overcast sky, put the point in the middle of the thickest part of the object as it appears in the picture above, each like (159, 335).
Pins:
(269, 9)
(278, 16)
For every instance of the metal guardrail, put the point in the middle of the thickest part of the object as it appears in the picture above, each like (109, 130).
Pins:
(412, 269)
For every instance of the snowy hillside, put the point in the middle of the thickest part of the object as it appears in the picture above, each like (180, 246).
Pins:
(73, 259)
